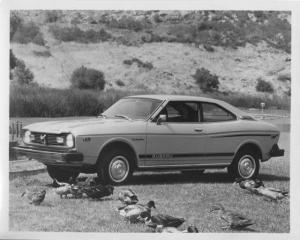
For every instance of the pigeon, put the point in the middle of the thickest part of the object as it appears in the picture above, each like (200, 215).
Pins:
(272, 194)
(233, 220)
(64, 190)
(98, 191)
(128, 197)
(57, 184)
(161, 219)
(35, 197)
(249, 183)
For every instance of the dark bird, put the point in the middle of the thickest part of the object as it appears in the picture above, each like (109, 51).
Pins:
(132, 212)
(98, 191)
(232, 219)
(35, 197)
(161, 219)
(128, 197)
(249, 183)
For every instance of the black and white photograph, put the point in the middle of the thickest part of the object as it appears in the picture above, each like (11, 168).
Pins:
(149, 120)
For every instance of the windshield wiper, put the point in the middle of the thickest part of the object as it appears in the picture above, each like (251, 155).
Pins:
(123, 116)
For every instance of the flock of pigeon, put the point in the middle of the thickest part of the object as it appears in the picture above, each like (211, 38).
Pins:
(135, 212)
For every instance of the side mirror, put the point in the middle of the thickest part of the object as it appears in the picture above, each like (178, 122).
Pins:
(161, 118)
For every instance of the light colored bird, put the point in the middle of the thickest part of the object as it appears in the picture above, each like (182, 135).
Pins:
(232, 219)
(133, 212)
(248, 183)
(57, 184)
(64, 190)
(161, 219)
(162, 229)
(128, 197)
(271, 193)
(35, 197)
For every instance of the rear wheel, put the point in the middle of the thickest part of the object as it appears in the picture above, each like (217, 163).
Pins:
(116, 167)
(245, 165)
(61, 175)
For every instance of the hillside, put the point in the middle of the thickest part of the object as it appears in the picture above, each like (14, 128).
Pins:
(239, 47)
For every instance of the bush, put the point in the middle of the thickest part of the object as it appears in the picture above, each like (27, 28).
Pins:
(22, 74)
(28, 32)
(206, 81)
(12, 60)
(68, 34)
(284, 77)
(52, 16)
(120, 83)
(87, 78)
(264, 86)
(42, 53)
(141, 64)
(15, 23)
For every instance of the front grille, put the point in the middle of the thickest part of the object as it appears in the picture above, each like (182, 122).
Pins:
(47, 139)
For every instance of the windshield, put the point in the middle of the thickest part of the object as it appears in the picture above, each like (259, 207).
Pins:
(132, 108)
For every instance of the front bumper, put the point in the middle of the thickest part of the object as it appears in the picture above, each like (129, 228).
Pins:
(276, 151)
(50, 157)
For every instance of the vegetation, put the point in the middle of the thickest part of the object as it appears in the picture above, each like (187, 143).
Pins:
(75, 34)
(140, 64)
(45, 53)
(264, 86)
(87, 78)
(120, 83)
(21, 74)
(206, 81)
(22, 32)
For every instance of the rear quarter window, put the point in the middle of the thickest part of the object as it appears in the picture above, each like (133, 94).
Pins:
(213, 113)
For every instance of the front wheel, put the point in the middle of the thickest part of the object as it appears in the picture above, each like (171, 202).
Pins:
(245, 165)
(116, 167)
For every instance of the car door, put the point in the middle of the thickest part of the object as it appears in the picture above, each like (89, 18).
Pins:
(177, 142)
(221, 136)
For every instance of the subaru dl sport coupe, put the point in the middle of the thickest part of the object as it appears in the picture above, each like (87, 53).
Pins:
(153, 132)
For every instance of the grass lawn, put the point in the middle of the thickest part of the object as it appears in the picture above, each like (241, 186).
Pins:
(174, 193)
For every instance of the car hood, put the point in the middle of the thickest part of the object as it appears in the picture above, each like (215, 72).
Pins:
(76, 126)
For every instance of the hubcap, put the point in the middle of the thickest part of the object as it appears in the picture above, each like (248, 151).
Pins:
(118, 169)
(247, 166)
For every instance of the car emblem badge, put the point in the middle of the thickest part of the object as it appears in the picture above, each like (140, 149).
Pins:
(43, 138)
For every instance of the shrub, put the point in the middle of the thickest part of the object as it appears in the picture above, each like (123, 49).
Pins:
(22, 74)
(68, 34)
(87, 78)
(12, 60)
(205, 80)
(52, 16)
(141, 64)
(284, 77)
(264, 86)
(42, 53)
(15, 23)
(28, 32)
(120, 83)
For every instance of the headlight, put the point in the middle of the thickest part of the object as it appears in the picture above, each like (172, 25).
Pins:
(70, 140)
(26, 137)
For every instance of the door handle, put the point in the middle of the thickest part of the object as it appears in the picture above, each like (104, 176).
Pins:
(198, 130)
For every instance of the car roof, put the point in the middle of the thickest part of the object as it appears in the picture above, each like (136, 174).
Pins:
(163, 97)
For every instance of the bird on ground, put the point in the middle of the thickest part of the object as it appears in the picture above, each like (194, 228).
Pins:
(271, 193)
(162, 229)
(98, 191)
(233, 220)
(248, 183)
(35, 197)
(128, 197)
(133, 212)
(76, 191)
(64, 190)
(57, 184)
(161, 219)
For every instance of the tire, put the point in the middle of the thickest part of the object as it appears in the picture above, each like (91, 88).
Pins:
(60, 174)
(245, 165)
(116, 167)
